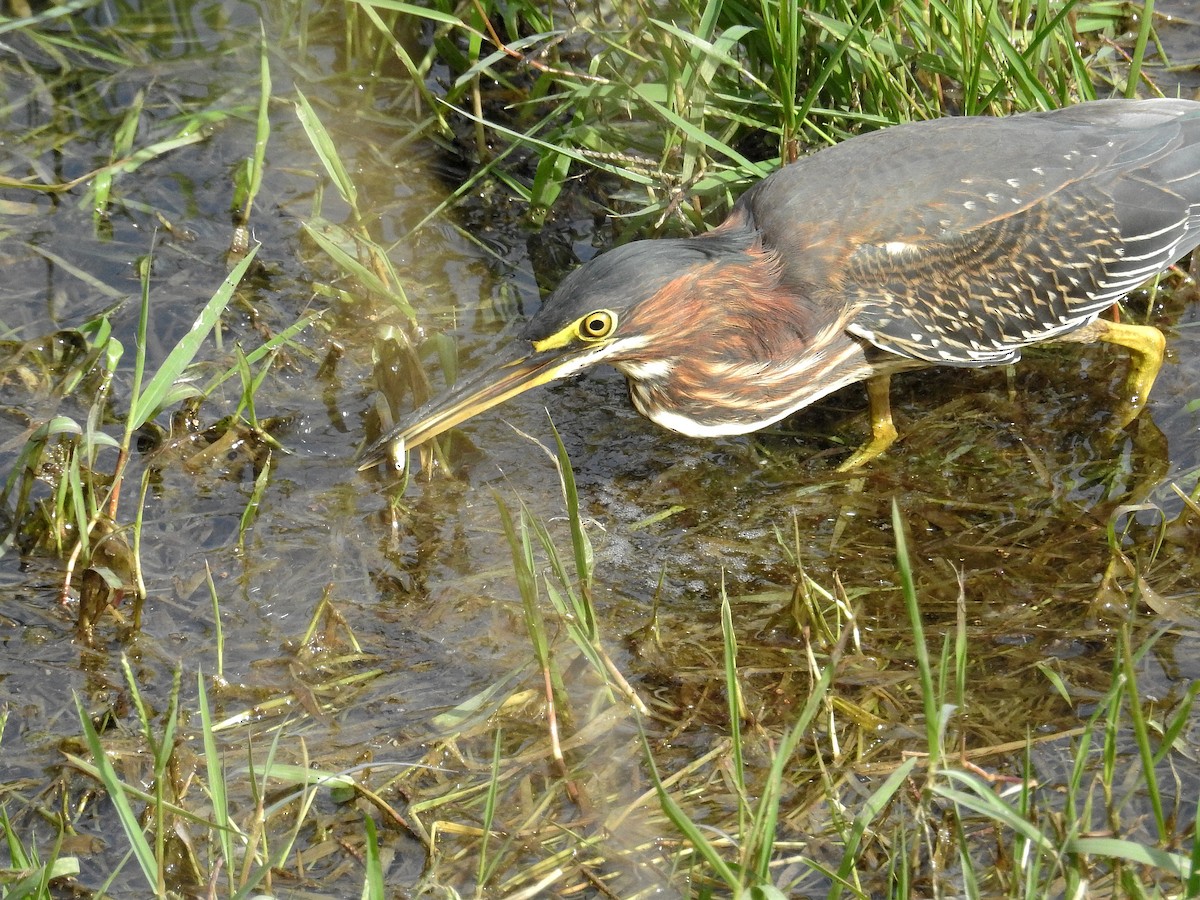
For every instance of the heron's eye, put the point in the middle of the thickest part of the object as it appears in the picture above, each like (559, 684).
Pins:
(597, 325)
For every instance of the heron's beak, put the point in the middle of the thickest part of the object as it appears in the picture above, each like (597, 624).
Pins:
(517, 369)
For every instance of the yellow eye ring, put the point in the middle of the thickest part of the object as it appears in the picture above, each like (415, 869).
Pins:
(596, 326)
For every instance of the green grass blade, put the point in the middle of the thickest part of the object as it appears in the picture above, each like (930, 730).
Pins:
(326, 150)
(1146, 22)
(261, 481)
(697, 838)
(250, 180)
(151, 400)
(579, 539)
(733, 691)
(373, 883)
(767, 816)
(215, 770)
(276, 342)
(139, 846)
(122, 144)
(45, 16)
(411, 9)
(483, 870)
(920, 648)
(1172, 863)
(1141, 734)
(863, 819)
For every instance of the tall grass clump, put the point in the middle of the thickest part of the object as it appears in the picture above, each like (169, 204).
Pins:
(671, 112)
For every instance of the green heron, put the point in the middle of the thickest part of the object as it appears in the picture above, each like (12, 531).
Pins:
(953, 242)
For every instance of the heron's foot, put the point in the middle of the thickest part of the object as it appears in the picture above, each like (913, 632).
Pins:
(883, 429)
(876, 446)
(1148, 347)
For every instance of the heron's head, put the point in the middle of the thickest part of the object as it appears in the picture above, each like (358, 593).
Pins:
(641, 307)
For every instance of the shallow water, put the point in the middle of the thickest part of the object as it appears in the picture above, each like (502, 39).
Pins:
(1009, 487)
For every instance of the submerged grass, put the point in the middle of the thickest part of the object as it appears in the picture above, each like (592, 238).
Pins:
(924, 810)
(708, 760)
(81, 519)
(254, 822)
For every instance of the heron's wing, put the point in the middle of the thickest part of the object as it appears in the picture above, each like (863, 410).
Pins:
(961, 241)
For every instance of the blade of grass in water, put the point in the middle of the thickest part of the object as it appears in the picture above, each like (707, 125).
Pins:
(920, 648)
(159, 388)
(130, 826)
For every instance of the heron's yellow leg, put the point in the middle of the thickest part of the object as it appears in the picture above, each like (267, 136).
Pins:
(883, 430)
(1148, 346)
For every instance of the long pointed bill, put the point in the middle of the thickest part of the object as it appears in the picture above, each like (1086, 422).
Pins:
(515, 371)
